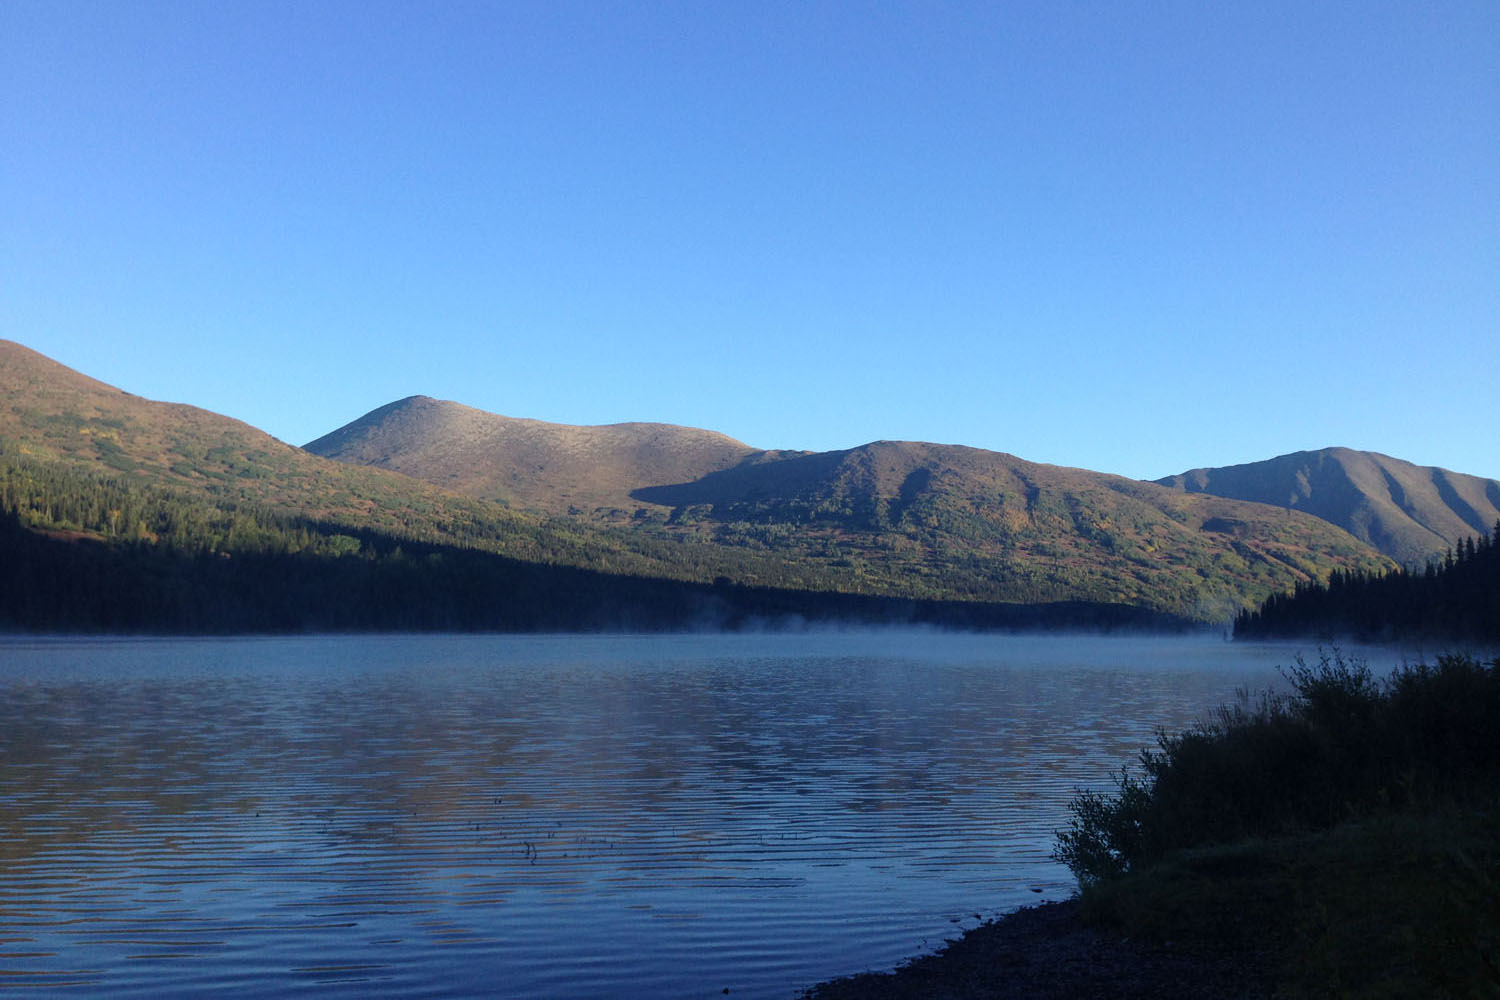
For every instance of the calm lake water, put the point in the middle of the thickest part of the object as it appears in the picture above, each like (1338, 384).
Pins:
(554, 816)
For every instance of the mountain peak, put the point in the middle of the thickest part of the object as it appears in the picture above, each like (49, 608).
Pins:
(1409, 512)
(549, 467)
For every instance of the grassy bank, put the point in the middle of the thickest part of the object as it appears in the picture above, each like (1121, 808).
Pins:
(1339, 841)
(1348, 830)
(1401, 905)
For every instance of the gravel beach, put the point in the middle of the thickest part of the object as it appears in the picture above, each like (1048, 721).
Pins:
(1048, 951)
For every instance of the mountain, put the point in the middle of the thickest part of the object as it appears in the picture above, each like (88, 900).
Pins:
(50, 412)
(753, 531)
(897, 518)
(552, 468)
(55, 416)
(1409, 512)
(119, 513)
(917, 515)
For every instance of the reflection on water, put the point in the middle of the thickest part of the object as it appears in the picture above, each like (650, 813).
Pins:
(553, 816)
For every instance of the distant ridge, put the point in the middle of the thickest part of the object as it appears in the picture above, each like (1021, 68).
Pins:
(554, 468)
(889, 517)
(1411, 513)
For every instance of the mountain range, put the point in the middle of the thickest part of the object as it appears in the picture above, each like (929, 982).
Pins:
(53, 415)
(892, 519)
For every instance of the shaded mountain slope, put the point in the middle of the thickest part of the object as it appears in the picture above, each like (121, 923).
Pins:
(555, 468)
(1409, 512)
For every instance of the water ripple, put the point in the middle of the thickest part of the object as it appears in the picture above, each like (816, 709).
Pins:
(557, 816)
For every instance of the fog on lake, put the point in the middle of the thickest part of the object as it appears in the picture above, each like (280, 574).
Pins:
(558, 816)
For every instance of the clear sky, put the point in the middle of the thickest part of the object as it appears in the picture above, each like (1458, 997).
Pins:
(1136, 237)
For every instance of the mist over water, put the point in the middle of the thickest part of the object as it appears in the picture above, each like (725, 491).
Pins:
(555, 816)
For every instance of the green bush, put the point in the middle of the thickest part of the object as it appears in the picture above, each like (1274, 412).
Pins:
(1341, 746)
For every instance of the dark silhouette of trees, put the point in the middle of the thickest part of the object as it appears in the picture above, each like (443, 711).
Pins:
(1458, 597)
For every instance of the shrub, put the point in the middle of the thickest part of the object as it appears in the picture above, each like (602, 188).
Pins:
(1341, 746)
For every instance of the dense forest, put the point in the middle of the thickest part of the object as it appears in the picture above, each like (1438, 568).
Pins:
(1458, 597)
(82, 551)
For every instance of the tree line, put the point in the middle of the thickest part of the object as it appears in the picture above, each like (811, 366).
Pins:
(1455, 597)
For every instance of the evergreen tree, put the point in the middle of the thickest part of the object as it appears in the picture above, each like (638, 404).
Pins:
(1458, 598)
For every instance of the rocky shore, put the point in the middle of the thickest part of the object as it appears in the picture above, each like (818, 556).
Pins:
(1049, 951)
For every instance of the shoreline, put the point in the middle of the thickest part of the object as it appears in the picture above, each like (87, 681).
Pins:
(1050, 951)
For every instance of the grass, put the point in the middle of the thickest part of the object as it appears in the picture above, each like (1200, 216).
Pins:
(1394, 906)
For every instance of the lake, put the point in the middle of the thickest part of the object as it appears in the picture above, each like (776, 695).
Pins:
(551, 816)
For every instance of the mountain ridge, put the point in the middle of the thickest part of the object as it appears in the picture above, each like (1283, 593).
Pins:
(907, 520)
(53, 414)
(1410, 512)
(1407, 512)
(893, 516)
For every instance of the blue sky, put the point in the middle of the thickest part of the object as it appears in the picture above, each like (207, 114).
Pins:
(1136, 237)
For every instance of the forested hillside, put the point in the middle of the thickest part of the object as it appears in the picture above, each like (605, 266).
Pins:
(889, 521)
(88, 552)
(52, 415)
(918, 520)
